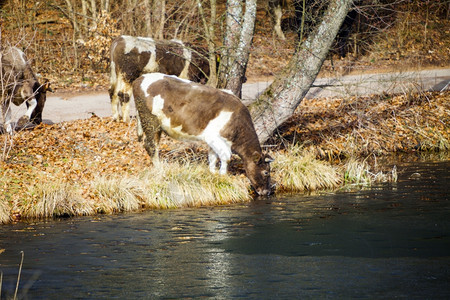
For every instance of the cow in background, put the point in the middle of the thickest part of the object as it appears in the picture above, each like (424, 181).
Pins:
(19, 84)
(134, 56)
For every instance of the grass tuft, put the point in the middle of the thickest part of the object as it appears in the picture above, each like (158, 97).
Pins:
(169, 185)
(4, 211)
(358, 173)
(117, 194)
(297, 170)
(50, 199)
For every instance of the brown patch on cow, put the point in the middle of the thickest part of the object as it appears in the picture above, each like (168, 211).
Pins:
(130, 64)
(184, 110)
(170, 57)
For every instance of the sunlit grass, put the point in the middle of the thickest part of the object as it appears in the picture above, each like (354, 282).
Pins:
(54, 199)
(358, 173)
(4, 211)
(169, 185)
(296, 170)
(185, 184)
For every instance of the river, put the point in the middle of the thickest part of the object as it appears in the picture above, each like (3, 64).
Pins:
(388, 241)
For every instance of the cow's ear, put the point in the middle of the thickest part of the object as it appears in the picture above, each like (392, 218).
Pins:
(46, 86)
(256, 157)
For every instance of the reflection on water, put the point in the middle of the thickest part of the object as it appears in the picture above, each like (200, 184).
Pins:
(391, 240)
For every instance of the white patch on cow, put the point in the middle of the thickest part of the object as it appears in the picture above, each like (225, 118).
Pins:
(157, 110)
(152, 65)
(142, 44)
(23, 57)
(228, 91)
(157, 106)
(217, 124)
(220, 145)
(32, 103)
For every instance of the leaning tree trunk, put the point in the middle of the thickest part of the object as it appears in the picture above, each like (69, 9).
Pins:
(237, 43)
(279, 101)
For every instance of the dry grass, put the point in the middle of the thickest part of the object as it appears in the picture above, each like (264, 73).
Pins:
(169, 185)
(371, 125)
(296, 170)
(359, 173)
(55, 199)
(5, 212)
(177, 185)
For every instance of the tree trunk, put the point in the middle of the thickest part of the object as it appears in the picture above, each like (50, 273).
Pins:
(158, 18)
(279, 101)
(209, 37)
(237, 43)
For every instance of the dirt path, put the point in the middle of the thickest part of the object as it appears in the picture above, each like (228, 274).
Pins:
(61, 107)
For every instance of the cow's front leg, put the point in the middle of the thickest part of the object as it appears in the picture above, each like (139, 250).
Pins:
(222, 150)
(25, 119)
(212, 158)
(125, 104)
(7, 112)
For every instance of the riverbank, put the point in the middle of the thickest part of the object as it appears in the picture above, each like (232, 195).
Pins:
(96, 165)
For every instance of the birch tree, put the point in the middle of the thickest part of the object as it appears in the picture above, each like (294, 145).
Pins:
(240, 24)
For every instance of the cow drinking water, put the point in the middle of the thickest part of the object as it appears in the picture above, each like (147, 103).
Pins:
(134, 56)
(193, 112)
(19, 84)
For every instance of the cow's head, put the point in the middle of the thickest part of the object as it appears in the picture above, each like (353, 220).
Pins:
(40, 93)
(258, 171)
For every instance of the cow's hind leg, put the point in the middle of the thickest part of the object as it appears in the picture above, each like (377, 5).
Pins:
(6, 111)
(149, 126)
(118, 94)
(116, 85)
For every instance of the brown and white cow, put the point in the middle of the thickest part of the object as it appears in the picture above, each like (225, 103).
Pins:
(19, 84)
(134, 56)
(190, 111)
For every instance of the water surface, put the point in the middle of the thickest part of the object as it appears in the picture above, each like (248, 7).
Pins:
(387, 241)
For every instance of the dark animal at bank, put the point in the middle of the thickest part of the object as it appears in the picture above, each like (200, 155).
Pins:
(19, 84)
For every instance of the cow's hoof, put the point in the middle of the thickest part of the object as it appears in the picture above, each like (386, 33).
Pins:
(23, 121)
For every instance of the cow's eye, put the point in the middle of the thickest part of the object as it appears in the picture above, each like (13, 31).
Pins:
(265, 173)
